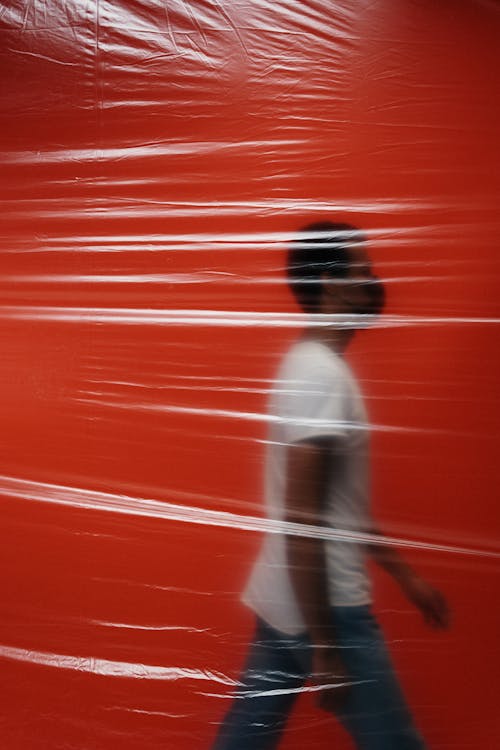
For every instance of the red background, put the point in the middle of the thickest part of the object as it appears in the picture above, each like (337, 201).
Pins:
(158, 157)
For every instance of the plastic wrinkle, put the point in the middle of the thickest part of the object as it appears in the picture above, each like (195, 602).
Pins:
(203, 277)
(149, 150)
(150, 209)
(197, 388)
(103, 401)
(108, 668)
(226, 414)
(391, 235)
(130, 626)
(154, 586)
(240, 694)
(92, 500)
(165, 714)
(226, 318)
(40, 57)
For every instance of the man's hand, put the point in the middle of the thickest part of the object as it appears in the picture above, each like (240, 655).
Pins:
(425, 597)
(428, 600)
(329, 674)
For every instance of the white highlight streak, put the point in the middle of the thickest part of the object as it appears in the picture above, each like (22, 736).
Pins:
(109, 668)
(136, 506)
(247, 415)
(130, 626)
(140, 316)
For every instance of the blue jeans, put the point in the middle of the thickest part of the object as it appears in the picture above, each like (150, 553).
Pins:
(375, 713)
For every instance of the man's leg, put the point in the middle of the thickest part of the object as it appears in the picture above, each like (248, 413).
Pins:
(375, 714)
(269, 685)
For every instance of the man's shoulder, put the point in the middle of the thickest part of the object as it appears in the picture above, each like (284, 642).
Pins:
(311, 359)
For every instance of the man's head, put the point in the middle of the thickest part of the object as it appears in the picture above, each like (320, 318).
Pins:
(329, 271)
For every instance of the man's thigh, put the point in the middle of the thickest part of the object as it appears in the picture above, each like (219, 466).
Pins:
(376, 713)
(271, 680)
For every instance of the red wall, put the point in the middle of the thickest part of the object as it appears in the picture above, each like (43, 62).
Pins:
(156, 158)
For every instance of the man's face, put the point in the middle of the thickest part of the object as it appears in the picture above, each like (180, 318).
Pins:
(361, 291)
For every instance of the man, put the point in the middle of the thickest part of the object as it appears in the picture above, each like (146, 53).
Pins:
(311, 591)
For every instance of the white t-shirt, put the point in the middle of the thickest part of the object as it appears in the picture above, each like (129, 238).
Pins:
(315, 394)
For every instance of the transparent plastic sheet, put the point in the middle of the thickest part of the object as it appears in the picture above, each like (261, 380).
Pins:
(157, 161)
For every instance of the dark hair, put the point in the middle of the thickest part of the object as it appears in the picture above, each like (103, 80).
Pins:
(322, 247)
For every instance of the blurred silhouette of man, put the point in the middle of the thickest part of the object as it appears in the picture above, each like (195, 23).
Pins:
(310, 589)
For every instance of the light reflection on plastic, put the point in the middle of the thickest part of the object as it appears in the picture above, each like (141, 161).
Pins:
(137, 506)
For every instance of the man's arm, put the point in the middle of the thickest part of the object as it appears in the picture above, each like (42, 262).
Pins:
(307, 468)
(425, 597)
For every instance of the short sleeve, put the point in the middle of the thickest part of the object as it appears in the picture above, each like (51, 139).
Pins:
(314, 405)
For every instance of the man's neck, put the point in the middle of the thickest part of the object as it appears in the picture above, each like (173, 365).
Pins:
(335, 339)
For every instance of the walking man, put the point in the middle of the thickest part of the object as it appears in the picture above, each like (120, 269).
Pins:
(310, 591)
